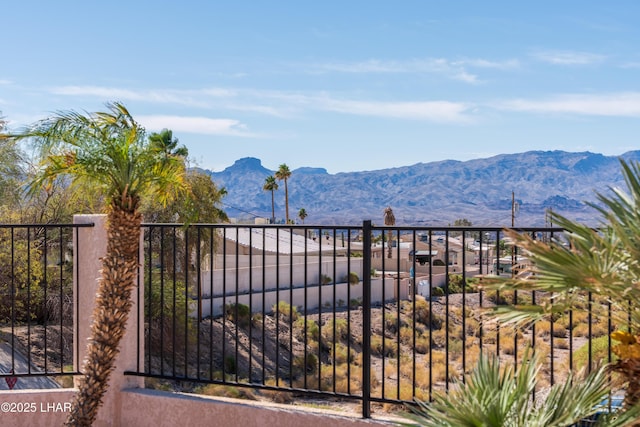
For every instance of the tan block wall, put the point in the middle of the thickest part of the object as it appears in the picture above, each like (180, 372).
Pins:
(31, 408)
(154, 408)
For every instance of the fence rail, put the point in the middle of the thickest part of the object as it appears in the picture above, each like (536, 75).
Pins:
(361, 314)
(365, 314)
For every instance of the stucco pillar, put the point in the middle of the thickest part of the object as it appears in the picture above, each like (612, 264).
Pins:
(91, 246)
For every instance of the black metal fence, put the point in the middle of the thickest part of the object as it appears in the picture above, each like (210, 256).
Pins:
(367, 314)
(37, 303)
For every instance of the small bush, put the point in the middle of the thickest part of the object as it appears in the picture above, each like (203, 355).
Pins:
(286, 311)
(340, 354)
(238, 313)
(352, 278)
(306, 364)
(341, 330)
(257, 319)
(389, 349)
(425, 316)
(312, 332)
(437, 291)
(230, 365)
(422, 344)
(391, 322)
(600, 353)
(455, 284)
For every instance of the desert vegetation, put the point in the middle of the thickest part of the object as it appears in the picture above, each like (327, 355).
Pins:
(417, 348)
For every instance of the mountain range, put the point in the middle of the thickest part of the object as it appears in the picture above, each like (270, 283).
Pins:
(435, 193)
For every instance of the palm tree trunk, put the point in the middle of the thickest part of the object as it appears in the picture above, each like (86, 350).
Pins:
(113, 303)
(286, 200)
(273, 209)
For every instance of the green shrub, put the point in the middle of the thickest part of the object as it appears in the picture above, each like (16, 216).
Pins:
(306, 364)
(168, 311)
(599, 353)
(391, 322)
(313, 330)
(425, 316)
(352, 278)
(230, 365)
(437, 291)
(456, 283)
(238, 313)
(21, 279)
(341, 330)
(286, 311)
(389, 349)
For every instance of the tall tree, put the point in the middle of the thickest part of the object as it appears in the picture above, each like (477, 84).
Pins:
(109, 151)
(167, 144)
(302, 214)
(270, 184)
(199, 202)
(389, 220)
(11, 161)
(282, 174)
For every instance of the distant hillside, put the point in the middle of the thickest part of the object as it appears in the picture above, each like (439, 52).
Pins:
(434, 193)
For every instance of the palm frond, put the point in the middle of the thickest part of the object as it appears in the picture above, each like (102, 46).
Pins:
(499, 396)
(107, 150)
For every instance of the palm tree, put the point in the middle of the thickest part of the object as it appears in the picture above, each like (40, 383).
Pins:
(496, 396)
(109, 151)
(389, 220)
(302, 214)
(602, 262)
(166, 143)
(282, 174)
(270, 184)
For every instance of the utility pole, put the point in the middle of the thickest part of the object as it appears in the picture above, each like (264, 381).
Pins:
(514, 258)
(513, 209)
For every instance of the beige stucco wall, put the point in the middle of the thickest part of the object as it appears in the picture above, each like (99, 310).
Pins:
(156, 408)
(29, 408)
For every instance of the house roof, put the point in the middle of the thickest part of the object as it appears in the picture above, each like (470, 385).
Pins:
(424, 253)
(276, 240)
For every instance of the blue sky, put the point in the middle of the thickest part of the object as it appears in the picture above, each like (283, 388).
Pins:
(344, 85)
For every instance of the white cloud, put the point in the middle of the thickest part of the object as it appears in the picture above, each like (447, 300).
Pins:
(626, 104)
(5, 82)
(97, 91)
(200, 125)
(436, 111)
(453, 69)
(568, 57)
(484, 63)
(188, 98)
(271, 103)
